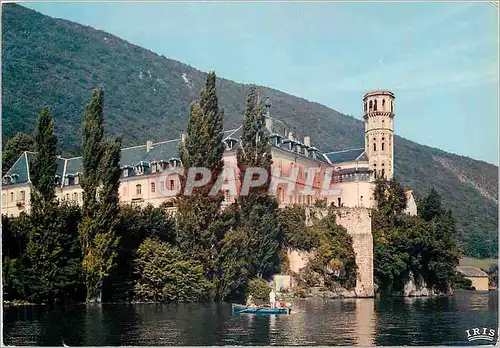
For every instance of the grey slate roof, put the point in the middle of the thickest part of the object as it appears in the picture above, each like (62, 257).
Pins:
(346, 156)
(470, 271)
(166, 150)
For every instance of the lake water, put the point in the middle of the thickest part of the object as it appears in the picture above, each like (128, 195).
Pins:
(394, 321)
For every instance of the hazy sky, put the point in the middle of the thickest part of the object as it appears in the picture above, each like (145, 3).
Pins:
(440, 59)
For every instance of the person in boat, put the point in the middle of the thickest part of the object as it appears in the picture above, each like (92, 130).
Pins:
(272, 298)
(281, 304)
(250, 302)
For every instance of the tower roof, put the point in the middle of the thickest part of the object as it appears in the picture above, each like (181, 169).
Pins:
(379, 92)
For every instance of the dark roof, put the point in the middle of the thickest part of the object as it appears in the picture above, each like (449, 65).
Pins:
(19, 168)
(346, 156)
(470, 271)
(130, 156)
(134, 155)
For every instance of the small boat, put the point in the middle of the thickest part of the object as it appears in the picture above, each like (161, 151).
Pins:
(238, 308)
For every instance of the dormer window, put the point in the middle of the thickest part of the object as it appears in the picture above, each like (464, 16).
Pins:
(142, 168)
(12, 179)
(230, 143)
(289, 144)
(69, 180)
(174, 162)
(126, 171)
(298, 148)
(313, 151)
(275, 139)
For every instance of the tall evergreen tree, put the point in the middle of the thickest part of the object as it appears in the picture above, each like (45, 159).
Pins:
(52, 248)
(255, 150)
(92, 151)
(101, 180)
(259, 210)
(43, 249)
(44, 166)
(197, 214)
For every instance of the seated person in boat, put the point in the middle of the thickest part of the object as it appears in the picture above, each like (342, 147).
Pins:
(250, 302)
(281, 304)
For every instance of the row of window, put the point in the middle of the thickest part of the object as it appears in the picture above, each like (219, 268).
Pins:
(75, 197)
(138, 188)
(146, 168)
(372, 105)
(21, 196)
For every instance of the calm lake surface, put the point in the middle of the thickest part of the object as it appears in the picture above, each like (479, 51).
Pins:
(395, 321)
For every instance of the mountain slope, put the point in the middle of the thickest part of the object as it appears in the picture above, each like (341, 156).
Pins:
(57, 63)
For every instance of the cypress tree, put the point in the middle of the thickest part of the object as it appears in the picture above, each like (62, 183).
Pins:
(92, 151)
(44, 166)
(52, 239)
(43, 249)
(259, 211)
(100, 182)
(255, 149)
(197, 214)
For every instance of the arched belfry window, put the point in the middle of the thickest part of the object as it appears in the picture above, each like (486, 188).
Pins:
(383, 104)
(365, 106)
(370, 105)
(374, 147)
(375, 105)
(392, 106)
(382, 144)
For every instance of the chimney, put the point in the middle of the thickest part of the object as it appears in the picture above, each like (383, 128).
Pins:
(149, 145)
(269, 124)
(290, 135)
(183, 138)
(307, 141)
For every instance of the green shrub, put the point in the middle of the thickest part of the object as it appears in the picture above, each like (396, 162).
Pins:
(259, 289)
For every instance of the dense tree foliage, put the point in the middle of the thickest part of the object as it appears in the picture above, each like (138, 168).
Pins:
(167, 275)
(136, 224)
(421, 248)
(296, 234)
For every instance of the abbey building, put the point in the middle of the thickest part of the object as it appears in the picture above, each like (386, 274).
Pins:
(144, 182)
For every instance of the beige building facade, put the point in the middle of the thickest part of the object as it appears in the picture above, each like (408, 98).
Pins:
(479, 278)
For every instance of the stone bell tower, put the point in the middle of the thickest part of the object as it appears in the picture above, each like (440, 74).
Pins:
(378, 109)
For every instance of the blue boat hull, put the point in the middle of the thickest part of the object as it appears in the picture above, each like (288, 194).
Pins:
(259, 310)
